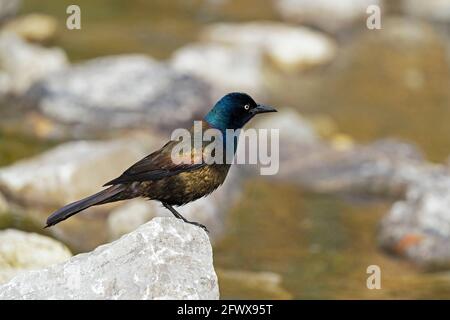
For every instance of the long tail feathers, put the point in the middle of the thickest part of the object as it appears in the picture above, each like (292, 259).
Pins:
(69, 210)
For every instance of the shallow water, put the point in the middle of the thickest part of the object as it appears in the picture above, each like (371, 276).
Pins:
(321, 245)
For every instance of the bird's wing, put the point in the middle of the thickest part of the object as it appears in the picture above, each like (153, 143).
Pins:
(158, 165)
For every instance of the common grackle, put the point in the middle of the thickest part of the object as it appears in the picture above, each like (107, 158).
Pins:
(158, 177)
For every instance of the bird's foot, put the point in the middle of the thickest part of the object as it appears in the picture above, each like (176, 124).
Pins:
(198, 225)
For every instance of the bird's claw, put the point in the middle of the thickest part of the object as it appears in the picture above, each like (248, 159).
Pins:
(199, 225)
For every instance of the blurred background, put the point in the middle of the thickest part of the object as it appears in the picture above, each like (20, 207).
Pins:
(364, 143)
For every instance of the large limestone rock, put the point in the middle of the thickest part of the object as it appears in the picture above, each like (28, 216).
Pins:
(163, 259)
(21, 251)
(119, 92)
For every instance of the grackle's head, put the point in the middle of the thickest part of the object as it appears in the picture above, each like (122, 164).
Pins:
(234, 110)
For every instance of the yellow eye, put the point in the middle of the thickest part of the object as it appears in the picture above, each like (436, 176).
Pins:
(246, 107)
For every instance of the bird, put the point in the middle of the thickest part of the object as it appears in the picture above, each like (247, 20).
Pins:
(158, 177)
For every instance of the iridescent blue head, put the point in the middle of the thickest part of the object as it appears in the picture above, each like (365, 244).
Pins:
(234, 110)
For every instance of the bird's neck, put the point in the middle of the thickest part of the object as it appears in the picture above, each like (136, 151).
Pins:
(216, 121)
(212, 122)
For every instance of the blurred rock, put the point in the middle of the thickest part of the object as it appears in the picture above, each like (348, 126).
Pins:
(436, 10)
(227, 68)
(69, 171)
(385, 168)
(328, 15)
(24, 63)
(163, 259)
(119, 92)
(33, 27)
(21, 251)
(8, 8)
(418, 226)
(290, 48)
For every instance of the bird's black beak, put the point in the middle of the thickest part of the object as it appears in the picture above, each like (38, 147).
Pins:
(262, 109)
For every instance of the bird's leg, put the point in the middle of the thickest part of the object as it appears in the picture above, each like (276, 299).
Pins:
(179, 216)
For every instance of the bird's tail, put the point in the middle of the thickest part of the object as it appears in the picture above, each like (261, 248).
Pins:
(104, 196)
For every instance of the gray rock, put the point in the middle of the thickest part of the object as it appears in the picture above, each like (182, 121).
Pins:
(329, 15)
(21, 251)
(24, 63)
(129, 91)
(163, 259)
(436, 10)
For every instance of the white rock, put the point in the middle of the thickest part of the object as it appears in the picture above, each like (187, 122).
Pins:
(21, 251)
(330, 15)
(437, 10)
(69, 171)
(227, 68)
(289, 47)
(26, 63)
(163, 259)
